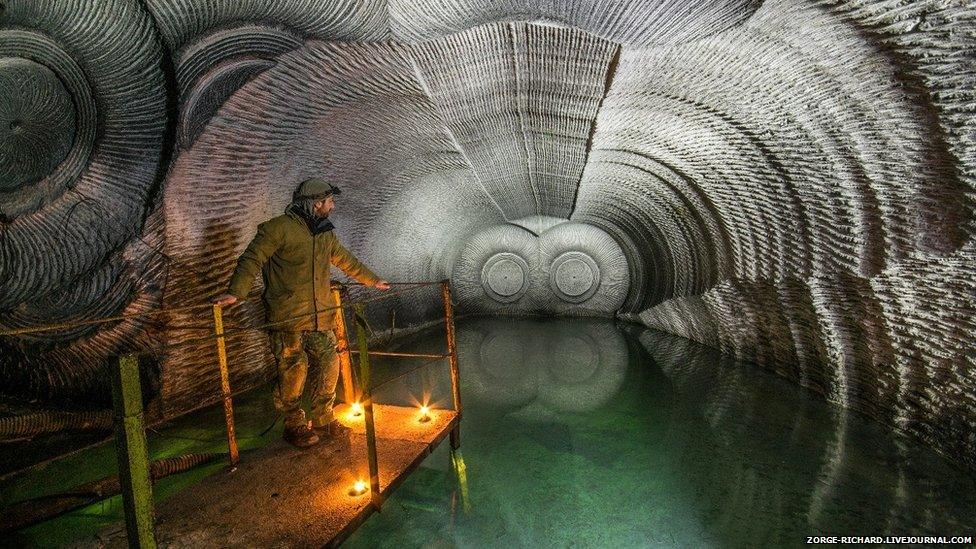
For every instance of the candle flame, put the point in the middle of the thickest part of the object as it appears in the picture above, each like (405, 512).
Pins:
(357, 409)
(358, 488)
(424, 414)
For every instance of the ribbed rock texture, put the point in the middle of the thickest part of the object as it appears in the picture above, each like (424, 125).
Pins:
(789, 181)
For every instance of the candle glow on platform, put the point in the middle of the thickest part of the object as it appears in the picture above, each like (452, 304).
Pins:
(358, 488)
(356, 410)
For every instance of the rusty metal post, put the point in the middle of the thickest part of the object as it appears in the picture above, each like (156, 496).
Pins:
(133, 454)
(225, 386)
(345, 362)
(452, 351)
(367, 401)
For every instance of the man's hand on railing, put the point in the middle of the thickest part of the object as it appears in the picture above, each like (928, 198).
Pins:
(225, 299)
(382, 285)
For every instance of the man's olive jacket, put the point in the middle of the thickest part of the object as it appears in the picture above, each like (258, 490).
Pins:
(295, 267)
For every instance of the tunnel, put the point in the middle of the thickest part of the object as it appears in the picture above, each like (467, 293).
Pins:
(786, 183)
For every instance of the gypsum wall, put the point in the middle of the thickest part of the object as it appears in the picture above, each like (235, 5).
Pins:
(868, 298)
(788, 181)
(437, 208)
(82, 133)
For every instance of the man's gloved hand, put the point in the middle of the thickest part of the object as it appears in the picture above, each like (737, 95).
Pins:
(225, 299)
(382, 285)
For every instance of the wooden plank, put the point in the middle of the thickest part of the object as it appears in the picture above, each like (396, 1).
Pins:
(396, 422)
(367, 401)
(411, 355)
(359, 519)
(452, 351)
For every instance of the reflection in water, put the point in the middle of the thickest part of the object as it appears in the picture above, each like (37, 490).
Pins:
(579, 432)
(528, 364)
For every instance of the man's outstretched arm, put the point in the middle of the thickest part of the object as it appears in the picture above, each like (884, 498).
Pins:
(343, 258)
(257, 253)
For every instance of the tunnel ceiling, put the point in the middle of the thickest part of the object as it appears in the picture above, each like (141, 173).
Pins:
(789, 181)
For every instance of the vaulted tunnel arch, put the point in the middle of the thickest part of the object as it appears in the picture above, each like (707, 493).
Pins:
(790, 181)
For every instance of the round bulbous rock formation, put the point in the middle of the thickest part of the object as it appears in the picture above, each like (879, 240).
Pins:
(567, 268)
(37, 122)
(583, 270)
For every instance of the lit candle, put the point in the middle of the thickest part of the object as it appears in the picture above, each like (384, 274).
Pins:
(358, 489)
(357, 409)
(424, 414)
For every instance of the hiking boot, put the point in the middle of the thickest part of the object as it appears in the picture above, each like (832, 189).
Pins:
(301, 436)
(334, 430)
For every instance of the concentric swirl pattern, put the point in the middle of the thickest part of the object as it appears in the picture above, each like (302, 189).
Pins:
(45, 92)
(37, 123)
(84, 106)
(789, 181)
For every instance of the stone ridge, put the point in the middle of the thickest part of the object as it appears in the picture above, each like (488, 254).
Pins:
(790, 181)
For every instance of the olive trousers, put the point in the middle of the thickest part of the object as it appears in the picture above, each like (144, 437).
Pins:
(293, 351)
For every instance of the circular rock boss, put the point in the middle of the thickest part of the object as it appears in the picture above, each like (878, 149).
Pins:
(37, 122)
(494, 270)
(574, 277)
(505, 277)
(47, 122)
(83, 104)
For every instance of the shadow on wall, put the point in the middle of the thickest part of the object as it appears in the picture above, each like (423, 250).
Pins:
(190, 375)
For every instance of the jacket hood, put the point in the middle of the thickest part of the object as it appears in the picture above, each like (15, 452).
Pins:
(316, 225)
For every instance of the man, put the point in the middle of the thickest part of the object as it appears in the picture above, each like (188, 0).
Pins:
(293, 252)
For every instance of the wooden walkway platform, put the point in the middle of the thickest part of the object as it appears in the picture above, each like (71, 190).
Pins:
(282, 496)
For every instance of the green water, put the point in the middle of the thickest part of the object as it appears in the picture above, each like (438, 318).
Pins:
(579, 434)
(587, 433)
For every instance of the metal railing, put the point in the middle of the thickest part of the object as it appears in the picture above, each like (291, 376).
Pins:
(363, 393)
(353, 392)
(130, 429)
